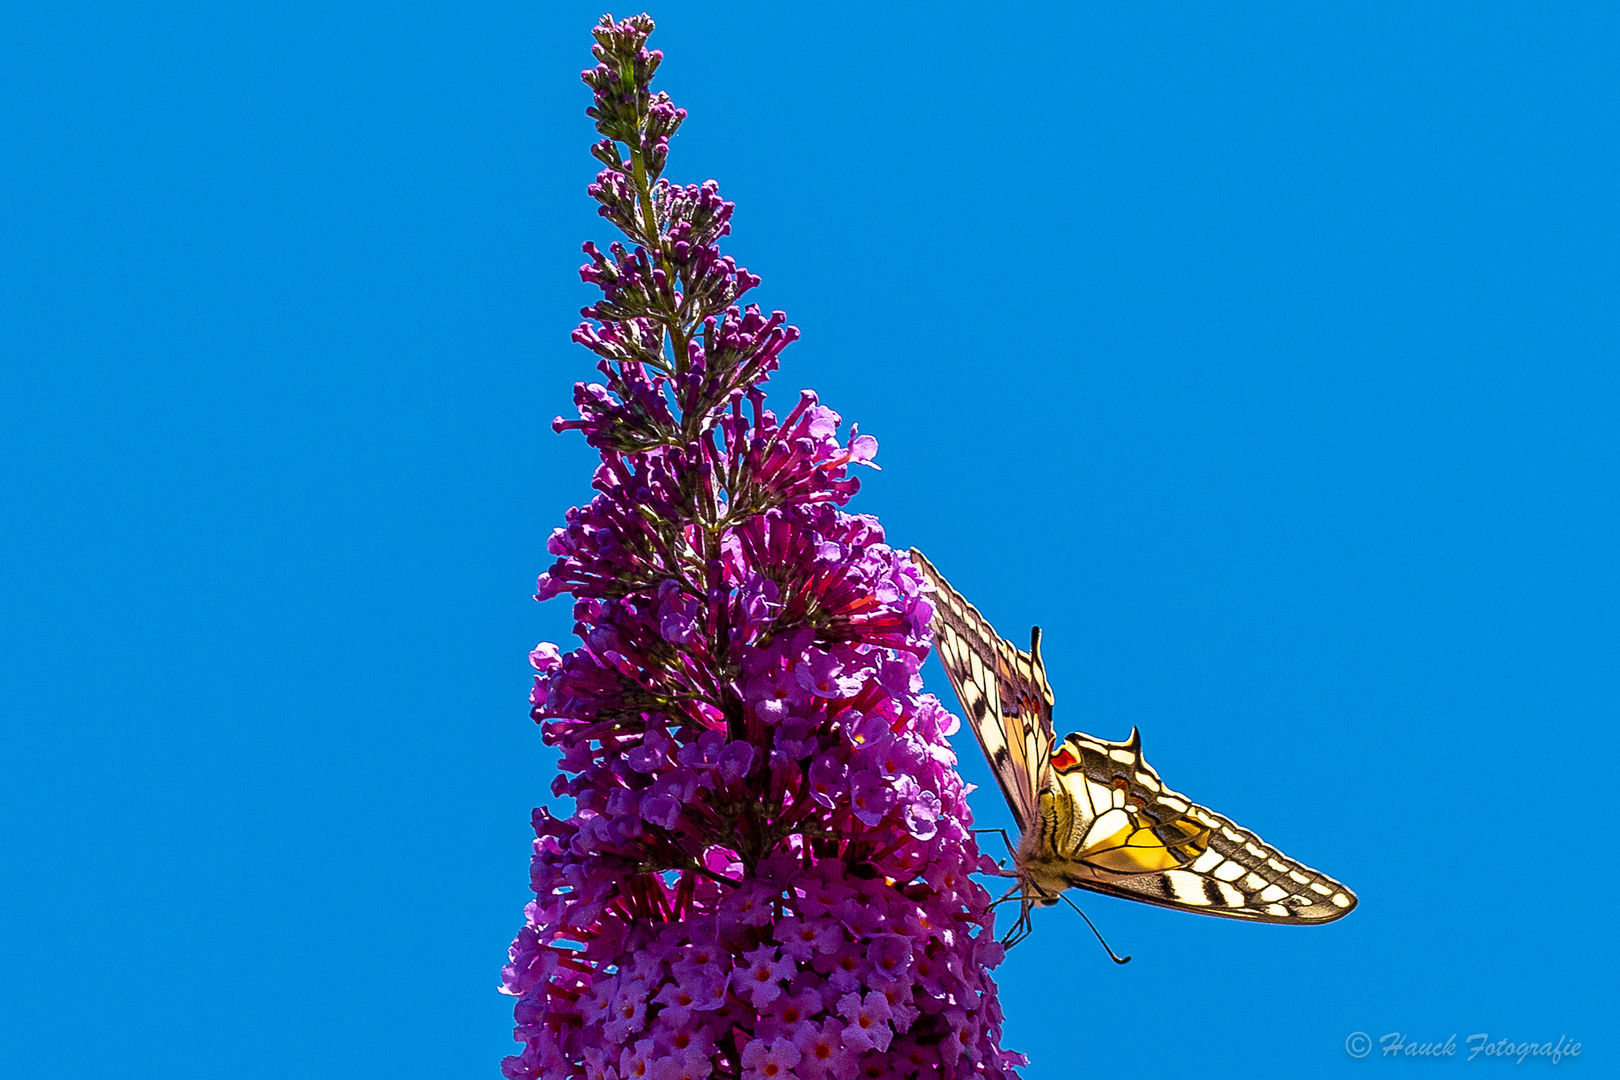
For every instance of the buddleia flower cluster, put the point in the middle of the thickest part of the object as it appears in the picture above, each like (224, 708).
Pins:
(766, 872)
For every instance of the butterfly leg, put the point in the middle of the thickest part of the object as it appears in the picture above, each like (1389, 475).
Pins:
(1021, 928)
(1008, 895)
(1004, 839)
(1022, 925)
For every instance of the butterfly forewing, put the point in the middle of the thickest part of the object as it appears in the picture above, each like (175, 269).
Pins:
(1004, 692)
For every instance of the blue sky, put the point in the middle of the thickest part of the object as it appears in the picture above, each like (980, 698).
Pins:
(1265, 357)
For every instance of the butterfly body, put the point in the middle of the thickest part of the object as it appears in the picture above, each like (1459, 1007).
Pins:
(1092, 814)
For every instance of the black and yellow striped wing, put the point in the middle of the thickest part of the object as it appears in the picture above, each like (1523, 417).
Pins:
(1004, 692)
(1131, 836)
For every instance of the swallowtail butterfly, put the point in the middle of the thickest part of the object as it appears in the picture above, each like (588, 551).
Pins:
(1093, 814)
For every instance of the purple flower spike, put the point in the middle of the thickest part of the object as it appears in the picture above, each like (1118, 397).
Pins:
(765, 871)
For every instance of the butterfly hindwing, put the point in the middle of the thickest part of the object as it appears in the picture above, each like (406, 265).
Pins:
(1145, 842)
(1004, 692)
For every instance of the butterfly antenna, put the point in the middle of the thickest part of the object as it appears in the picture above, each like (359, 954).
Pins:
(1094, 930)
